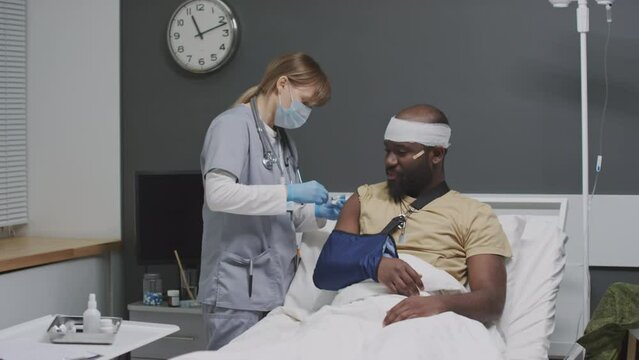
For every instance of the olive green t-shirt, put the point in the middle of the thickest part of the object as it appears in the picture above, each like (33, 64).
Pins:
(444, 233)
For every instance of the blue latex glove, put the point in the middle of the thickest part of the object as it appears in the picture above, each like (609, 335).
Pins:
(308, 192)
(331, 209)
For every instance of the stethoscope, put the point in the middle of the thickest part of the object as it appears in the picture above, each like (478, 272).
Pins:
(269, 157)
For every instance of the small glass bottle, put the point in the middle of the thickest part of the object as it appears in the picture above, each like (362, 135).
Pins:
(152, 289)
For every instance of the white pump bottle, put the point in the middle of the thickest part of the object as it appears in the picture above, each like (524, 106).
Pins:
(91, 317)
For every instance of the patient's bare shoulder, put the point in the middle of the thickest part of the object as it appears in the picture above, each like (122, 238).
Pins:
(348, 220)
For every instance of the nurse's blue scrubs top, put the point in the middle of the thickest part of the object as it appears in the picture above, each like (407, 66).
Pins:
(230, 241)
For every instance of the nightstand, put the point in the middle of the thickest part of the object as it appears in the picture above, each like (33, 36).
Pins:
(191, 337)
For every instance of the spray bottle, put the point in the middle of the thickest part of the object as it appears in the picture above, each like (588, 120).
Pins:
(91, 317)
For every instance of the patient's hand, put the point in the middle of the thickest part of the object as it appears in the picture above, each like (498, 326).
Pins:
(415, 306)
(399, 277)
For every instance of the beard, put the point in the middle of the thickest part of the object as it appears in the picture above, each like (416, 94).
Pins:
(409, 183)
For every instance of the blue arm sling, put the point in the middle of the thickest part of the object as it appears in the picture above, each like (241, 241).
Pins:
(348, 258)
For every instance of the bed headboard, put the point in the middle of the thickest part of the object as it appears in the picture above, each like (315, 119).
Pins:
(553, 209)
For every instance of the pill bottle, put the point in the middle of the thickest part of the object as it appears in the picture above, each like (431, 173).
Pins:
(173, 297)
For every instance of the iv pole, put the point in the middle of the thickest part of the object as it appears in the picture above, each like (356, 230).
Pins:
(583, 26)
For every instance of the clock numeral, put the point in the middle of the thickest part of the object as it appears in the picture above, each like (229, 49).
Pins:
(180, 22)
(188, 11)
(212, 10)
(222, 19)
(176, 35)
(180, 49)
(213, 57)
(225, 32)
(201, 61)
(222, 47)
(189, 56)
(200, 7)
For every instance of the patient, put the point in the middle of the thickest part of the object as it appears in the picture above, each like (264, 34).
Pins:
(453, 233)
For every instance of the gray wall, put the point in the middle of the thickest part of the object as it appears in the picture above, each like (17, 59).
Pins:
(505, 72)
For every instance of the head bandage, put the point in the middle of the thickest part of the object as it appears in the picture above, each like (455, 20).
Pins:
(418, 132)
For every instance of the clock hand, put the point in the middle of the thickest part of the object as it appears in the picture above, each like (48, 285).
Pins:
(197, 28)
(211, 29)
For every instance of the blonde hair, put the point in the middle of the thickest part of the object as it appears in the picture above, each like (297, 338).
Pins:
(300, 69)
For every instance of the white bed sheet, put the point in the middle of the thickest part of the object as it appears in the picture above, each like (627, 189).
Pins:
(351, 328)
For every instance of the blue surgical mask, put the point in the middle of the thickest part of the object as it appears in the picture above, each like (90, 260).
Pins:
(293, 117)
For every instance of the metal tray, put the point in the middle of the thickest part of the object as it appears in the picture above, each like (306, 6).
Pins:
(79, 337)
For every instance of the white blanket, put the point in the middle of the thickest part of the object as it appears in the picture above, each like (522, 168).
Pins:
(351, 328)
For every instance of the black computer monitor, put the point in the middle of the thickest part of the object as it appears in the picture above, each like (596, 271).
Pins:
(168, 217)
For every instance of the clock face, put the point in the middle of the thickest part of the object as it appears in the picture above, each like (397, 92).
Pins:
(202, 35)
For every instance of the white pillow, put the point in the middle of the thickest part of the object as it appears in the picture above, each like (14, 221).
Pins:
(303, 298)
(534, 275)
(513, 226)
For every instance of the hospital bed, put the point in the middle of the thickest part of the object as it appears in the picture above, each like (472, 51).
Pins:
(535, 229)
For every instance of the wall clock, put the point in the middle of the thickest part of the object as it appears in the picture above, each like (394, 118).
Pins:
(202, 35)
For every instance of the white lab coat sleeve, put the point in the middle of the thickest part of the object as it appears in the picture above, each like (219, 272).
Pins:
(223, 193)
(304, 218)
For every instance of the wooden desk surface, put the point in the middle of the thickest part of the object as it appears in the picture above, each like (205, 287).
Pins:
(23, 252)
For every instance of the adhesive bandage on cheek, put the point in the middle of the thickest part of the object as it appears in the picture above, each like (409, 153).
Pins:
(427, 134)
(418, 155)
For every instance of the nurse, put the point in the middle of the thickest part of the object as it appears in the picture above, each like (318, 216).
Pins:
(255, 200)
